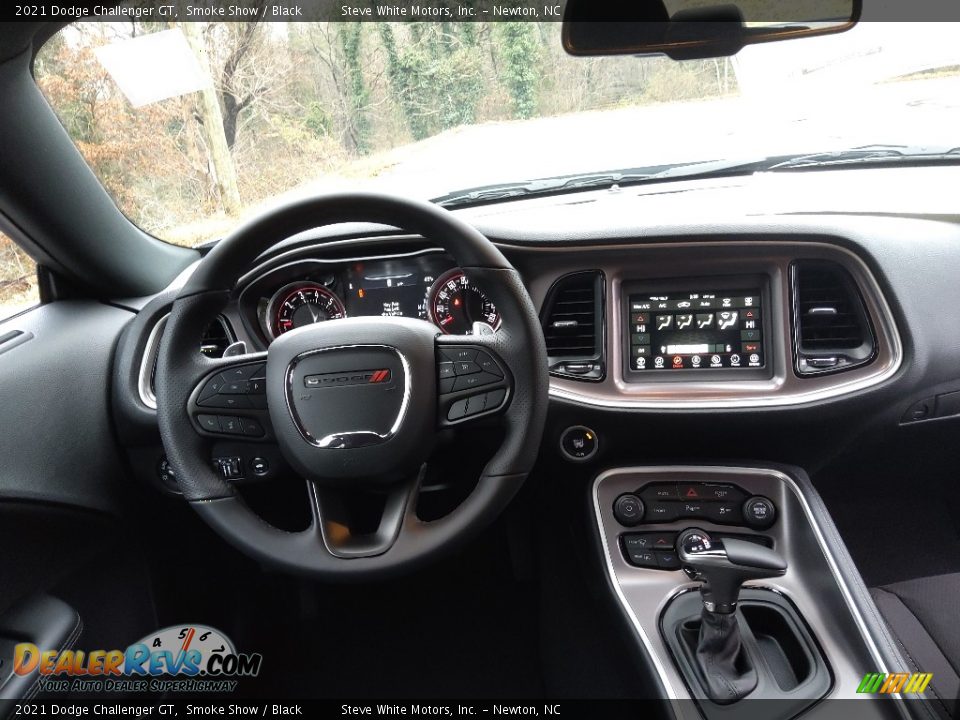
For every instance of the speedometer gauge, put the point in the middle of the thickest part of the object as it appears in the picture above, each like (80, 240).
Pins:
(303, 303)
(456, 304)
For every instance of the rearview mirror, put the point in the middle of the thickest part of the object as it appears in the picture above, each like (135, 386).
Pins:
(689, 29)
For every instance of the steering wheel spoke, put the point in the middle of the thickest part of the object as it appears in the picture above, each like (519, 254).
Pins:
(230, 399)
(345, 535)
(473, 381)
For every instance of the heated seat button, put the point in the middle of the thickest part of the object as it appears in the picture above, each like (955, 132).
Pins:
(636, 552)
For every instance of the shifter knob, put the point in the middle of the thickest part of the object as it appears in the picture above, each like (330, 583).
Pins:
(724, 565)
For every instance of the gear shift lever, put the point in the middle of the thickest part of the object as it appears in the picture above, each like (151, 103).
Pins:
(723, 566)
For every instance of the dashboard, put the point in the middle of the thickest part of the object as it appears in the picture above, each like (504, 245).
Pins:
(421, 284)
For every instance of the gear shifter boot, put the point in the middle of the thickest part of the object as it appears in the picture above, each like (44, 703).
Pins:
(727, 671)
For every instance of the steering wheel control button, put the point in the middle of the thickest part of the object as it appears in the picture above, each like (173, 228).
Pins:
(241, 372)
(445, 370)
(251, 427)
(488, 364)
(628, 510)
(459, 354)
(231, 425)
(465, 367)
(210, 423)
(458, 410)
(759, 512)
(579, 443)
(260, 466)
(478, 379)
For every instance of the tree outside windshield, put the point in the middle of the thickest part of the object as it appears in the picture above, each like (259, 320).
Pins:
(316, 106)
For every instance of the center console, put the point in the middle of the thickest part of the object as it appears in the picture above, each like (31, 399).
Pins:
(738, 588)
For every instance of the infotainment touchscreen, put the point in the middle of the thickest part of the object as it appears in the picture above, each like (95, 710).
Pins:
(703, 330)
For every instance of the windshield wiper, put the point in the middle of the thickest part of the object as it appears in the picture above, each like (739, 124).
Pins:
(864, 155)
(870, 155)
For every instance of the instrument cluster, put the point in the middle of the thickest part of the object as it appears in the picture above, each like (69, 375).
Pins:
(423, 285)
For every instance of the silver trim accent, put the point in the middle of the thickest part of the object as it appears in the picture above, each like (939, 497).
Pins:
(784, 389)
(147, 362)
(347, 439)
(728, 474)
(149, 359)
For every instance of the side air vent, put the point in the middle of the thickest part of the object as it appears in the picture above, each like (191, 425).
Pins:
(572, 318)
(831, 328)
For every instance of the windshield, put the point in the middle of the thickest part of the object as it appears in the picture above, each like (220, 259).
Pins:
(193, 127)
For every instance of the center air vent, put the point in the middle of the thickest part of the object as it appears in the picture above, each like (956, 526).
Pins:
(831, 328)
(572, 320)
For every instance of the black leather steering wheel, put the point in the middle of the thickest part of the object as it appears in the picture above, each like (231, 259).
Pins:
(355, 403)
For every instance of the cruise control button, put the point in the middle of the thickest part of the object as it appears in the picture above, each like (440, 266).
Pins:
(446, 385)
(231, 425)
(459, 354)
(445, 370)
(233, 402)
(487, 364)
(212, 387)
(236, 374)
(210, 423)
(667, 559)
(465, 367)
(465, 382)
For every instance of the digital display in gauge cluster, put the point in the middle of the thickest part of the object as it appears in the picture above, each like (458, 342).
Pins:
(701, 330)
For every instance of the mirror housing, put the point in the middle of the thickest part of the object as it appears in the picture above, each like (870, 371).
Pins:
(694, 30)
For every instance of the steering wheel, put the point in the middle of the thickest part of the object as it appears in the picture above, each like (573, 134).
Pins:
(353, 404)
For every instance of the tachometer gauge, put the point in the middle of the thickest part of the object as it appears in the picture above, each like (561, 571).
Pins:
(302, 303)
(456, 304)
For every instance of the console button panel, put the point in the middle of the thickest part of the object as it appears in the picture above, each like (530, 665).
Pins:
(717, 502)
(657, 550)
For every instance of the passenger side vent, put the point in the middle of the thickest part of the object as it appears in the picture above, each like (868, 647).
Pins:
(572, 318)
(831, 328)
